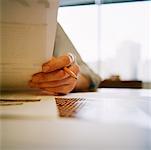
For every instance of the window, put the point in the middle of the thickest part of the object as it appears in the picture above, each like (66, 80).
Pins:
(113, 39)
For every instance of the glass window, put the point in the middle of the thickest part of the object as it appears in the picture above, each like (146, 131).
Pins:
(113, 39)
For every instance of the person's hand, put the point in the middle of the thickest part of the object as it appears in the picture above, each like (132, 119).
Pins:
(54, 79)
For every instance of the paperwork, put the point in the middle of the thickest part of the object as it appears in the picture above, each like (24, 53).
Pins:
(28, 32)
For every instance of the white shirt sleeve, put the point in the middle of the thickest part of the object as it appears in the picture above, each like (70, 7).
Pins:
(63, 45)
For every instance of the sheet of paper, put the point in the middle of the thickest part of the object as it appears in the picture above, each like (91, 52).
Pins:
(27, 105)
(28, 30)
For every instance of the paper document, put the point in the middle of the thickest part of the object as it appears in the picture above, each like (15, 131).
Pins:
(27, 105)
(28, 30)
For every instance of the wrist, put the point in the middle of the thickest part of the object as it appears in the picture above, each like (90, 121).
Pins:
(83, 83)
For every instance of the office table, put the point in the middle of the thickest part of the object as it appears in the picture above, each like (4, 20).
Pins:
(113, 119)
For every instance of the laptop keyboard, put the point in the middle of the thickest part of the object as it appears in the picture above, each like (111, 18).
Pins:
(70, 107)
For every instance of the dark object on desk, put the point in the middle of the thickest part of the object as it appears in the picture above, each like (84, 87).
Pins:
(120, 84)
(12, 102)
(18, 100)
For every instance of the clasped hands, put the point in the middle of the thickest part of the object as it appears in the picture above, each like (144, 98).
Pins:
(53, 79)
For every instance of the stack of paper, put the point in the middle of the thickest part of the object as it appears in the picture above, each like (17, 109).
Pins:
(27, 34)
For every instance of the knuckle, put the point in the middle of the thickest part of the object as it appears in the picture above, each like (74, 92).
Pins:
(61, 74)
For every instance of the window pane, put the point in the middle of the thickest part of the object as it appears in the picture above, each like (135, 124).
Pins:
(125, 40)
(80, 23)
(113, 39)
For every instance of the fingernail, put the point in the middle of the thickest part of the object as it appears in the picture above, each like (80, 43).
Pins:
(71, 57)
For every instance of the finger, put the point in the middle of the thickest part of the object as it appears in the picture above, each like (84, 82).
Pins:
(49, 93)
(55, 75)
(57, 63)
(72, 71)
(64, 89)
(46, 77)
(74, 68)
(66, 81)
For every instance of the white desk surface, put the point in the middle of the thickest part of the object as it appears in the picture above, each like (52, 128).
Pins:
(120, 119)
